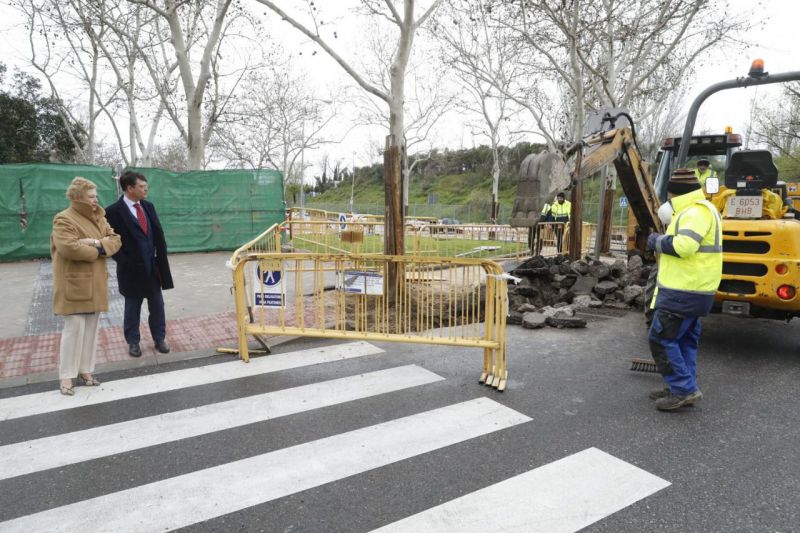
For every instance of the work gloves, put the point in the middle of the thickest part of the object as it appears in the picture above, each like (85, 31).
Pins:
(651, 240)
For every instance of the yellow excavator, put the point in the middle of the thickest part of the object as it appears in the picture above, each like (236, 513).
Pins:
(761, 230)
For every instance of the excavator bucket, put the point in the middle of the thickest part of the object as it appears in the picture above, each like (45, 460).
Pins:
(541, 177)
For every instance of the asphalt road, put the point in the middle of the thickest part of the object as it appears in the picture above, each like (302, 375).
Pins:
(729, 464)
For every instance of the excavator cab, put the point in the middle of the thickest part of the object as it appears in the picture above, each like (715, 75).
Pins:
(718, 148)
(750, 171)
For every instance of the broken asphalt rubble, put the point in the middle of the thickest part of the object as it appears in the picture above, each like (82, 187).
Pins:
(553, 289)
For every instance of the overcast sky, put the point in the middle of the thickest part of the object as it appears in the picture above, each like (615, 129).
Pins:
(775, 41)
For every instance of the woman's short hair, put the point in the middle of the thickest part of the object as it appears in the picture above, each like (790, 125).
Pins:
(79, 187)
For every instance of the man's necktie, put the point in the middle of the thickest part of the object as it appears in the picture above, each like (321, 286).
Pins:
(140, 217)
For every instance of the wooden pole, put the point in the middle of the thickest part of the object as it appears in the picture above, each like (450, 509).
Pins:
(576, 222)
(393, 238)
(608, 212)
(576, 198)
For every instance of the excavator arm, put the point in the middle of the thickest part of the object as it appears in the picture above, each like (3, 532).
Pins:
(543, 175)
(619, 147)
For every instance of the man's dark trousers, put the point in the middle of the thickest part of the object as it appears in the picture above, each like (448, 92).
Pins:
(156, 320)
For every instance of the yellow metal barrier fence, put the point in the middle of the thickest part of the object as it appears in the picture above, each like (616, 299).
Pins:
(434, 300)
(311, 214)
(464, 240)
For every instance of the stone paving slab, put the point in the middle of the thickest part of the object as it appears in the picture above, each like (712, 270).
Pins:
(40, 314)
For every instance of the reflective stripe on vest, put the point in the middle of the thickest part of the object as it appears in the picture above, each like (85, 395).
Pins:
(699, 273)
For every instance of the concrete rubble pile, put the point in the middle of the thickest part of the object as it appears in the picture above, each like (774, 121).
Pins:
(553, 289)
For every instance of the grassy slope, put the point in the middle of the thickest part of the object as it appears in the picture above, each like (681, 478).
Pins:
(471, 189)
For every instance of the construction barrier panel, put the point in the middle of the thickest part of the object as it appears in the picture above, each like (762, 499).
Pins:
(31, 195)
(371, 296)
(200, 211)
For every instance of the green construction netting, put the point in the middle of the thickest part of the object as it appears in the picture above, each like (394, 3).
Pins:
(200, 210)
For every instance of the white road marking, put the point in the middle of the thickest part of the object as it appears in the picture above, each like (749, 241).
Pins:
(59, 450)
(190, 498)
(564, 496)
(51, 401)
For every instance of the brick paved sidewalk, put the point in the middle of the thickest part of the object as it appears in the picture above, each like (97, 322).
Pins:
(36, 354)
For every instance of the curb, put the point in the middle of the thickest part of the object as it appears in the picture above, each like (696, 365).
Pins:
(126, 364)
(156, 360)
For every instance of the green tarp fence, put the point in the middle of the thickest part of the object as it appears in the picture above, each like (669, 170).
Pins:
(200, 210)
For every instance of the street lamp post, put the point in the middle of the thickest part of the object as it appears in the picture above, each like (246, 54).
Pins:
(353, 183)
(302, 171)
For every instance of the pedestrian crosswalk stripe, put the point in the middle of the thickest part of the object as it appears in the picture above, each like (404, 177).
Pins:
(564, 496)
(51, 401)
(59, 450)
(205, 494)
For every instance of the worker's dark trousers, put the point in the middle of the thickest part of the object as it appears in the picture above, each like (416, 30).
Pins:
(673, 344)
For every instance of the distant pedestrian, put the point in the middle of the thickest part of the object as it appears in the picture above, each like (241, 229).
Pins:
(689, 272)
(79, 245)
(142, 265)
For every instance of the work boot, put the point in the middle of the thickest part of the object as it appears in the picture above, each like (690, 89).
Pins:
(655, 394)
(672, 402)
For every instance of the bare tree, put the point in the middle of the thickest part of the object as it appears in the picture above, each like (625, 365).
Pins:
(64, 44)
(483, 57)
(427, 99)
(151, 48)
(129, 34)
(618, 53)
(195, 27)
(273, 122)
(662, 122)
(777, 123)
(404, 16)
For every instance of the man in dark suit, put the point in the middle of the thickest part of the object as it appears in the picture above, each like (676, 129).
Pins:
(142, 266)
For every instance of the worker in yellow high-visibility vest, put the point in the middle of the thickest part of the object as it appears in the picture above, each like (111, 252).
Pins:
(689, 272)
(560, 210)
(704, 171)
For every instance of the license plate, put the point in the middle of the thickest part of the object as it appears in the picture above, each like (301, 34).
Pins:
(744, 207)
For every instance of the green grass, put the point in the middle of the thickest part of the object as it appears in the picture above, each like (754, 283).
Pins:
(448, 245)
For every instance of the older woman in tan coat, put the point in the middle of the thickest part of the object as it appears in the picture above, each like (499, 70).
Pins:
(79, 245)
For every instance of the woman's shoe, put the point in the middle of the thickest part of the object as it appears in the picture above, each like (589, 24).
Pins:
(67, 391)
(91, 381)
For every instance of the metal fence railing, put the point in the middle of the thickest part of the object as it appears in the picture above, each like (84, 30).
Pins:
(456, 302)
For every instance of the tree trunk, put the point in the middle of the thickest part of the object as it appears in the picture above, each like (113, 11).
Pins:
(393, 235)
(194, 141)
(608, 212)
(576, 223)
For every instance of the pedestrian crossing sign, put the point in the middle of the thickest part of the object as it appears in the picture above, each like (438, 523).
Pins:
(268, 289)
